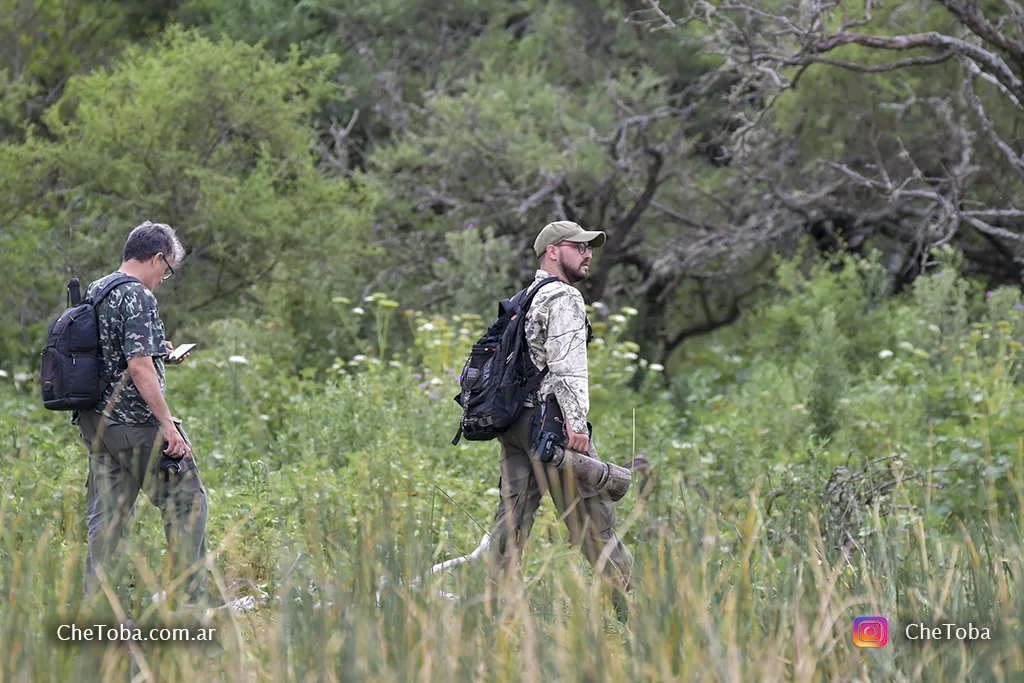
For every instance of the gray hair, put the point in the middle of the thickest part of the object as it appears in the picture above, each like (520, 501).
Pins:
(150, 239)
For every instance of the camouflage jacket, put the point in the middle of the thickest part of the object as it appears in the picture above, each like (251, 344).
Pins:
(129, 326)
(557, 331)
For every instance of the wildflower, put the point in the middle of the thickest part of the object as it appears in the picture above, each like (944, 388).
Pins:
(441, 259)
(939, 276)
(417, 376)
(885, 353)
(656, 367)
(395, 364)
(988, 293)
(435, 380)
(431, 396)
(423, 386)
(359, 357)
(629, 356)
(358, 311)
(1019, 306)
(3, 373)
(470, 226)
(241, 360)
(617, 318)
(630, 311)
(241, 297)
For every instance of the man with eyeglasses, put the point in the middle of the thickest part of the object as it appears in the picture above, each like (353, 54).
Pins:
(557, 331)
(134, 443)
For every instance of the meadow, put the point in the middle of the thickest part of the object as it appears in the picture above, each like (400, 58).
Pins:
(839, 454)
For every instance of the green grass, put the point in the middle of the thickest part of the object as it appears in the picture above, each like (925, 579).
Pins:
(330, 497)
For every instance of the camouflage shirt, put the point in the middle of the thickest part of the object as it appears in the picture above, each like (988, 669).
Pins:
(129, 326)
(556, 330)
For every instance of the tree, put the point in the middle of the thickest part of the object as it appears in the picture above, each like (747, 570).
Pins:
(216, 139)
(884, 125)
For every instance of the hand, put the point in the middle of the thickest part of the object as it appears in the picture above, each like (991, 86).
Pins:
(176, 446)
(170, 347)
(576, 442)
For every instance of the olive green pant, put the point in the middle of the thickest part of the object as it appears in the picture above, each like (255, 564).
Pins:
(588, 515)
(127, 459)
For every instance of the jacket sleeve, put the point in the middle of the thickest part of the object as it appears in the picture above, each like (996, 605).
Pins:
(566, 349)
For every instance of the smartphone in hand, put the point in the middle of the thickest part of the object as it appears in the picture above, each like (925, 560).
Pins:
(179, 353)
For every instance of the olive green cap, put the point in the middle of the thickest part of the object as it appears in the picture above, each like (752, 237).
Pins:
(566, 231)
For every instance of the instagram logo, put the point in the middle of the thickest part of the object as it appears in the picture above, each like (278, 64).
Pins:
(870, 631)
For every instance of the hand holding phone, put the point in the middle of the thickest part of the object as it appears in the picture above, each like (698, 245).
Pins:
(179, 353)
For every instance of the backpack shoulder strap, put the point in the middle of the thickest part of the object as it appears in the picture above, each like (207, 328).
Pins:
(529, 294)
(111, 286)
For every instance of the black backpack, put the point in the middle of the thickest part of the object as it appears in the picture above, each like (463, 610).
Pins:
(71, 374)
(499, 374)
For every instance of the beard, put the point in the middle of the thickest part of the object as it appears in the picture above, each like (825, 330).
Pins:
(576, 274)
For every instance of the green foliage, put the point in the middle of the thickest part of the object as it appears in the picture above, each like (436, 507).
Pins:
(828, 375)
(471, 278)
(330, 498)
(212, 138)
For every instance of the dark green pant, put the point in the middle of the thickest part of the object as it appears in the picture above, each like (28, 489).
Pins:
(588, 515)
(126, 459)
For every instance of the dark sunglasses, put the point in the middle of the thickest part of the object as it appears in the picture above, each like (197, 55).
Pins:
(581, 247)
(170, 270)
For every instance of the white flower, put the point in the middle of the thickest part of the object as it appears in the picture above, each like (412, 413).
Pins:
(427, 327)
(630, 311)
(241, 360)
(656, 367)
(3, 373)
(492, 492)
(435, 381)
(358, 311)
(600, 306)
(617, 318)
(368, 299)
(630, 356)
(885, 353)
(359, 357)
(395, 364)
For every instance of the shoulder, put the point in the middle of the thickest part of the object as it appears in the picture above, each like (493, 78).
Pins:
(559, 294)
(129, 298)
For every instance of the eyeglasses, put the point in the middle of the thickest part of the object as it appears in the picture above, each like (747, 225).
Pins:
(581, 247)
(170, 271)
